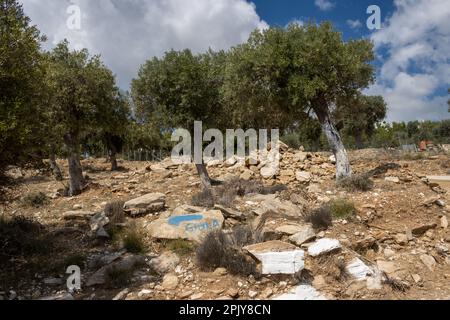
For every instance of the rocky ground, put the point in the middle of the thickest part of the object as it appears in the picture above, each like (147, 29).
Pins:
(393, 245)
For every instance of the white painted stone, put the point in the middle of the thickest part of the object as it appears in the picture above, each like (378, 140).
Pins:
(323, 246)
(278, 257)
(302, 292)
(289, 262)
(359, 270)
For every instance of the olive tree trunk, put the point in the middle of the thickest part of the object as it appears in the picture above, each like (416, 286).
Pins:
(343, 169)
(204, 176)
(358, 140)
(76, 180)
(55, 168)
(113, 158)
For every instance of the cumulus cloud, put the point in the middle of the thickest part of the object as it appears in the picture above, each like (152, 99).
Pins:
(354, 24)
(415, 44)
(128, 32)
(324, 5)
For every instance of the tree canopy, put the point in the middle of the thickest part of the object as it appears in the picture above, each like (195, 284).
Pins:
(21, 73)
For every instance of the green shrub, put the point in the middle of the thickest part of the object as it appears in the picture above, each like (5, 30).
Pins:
(133, 241)
(217, 250)
(204, 199)
(356, 183)
(35, 199)
(118, 277)
(180, 246)
(76, 259)
(21, 236)
(342, 208)
(320, 218)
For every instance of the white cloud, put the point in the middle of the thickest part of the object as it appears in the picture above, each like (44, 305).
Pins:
(296, 21)
(354, 24)
(415, 42)
(324, 5)
(128, 32)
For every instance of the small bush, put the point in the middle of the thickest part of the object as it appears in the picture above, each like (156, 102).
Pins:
(21, 236)
(204, 199)
(35, 199)
(217, 250)
(382, 169)
(321, 218)
(180, 246)
(118, 277)
(225, 193)
(243, 236)
(133, 241)
(226, 198)
(356, 183)
(114, 211)
(411, 156)
(342, 208)
(76, 259)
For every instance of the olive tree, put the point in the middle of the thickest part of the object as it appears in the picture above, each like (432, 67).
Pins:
(359, 115)
(302, 69)
(21, 74)
(82, 91)
(179, 89)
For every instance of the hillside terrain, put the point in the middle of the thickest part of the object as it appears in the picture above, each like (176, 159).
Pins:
(389, 242)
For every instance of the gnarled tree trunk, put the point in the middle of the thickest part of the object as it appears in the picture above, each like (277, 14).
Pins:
(359, 140)
(55, 168)
(343, 169)
(76, 179)
(204, 176)
(112, 152)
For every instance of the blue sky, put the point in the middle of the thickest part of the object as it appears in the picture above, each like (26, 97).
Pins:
(282, 12)
(412, 47)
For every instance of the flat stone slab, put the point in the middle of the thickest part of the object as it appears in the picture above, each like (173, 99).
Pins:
(302, 292)
(270, 246)
(278, 206)
(149, 203)
(189, 226)
(78, 215)
(229, 213)
(324, 246)
(289, 229)
(305, 235)
(359, 270)
(278, 257)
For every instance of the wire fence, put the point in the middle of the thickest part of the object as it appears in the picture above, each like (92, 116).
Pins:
(154, 155)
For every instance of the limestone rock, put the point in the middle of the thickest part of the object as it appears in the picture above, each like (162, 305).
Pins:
(306, 234)
(303, 176)
(302, 292)
(166, 262)
(189, 226)
(149, 203)
(323, 246)
(278, 257)
(170, 282)
(229, 213)
(428, 261)
(392, 179)
(78, 215)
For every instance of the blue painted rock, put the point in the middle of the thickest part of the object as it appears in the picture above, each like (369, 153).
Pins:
(187, 225)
